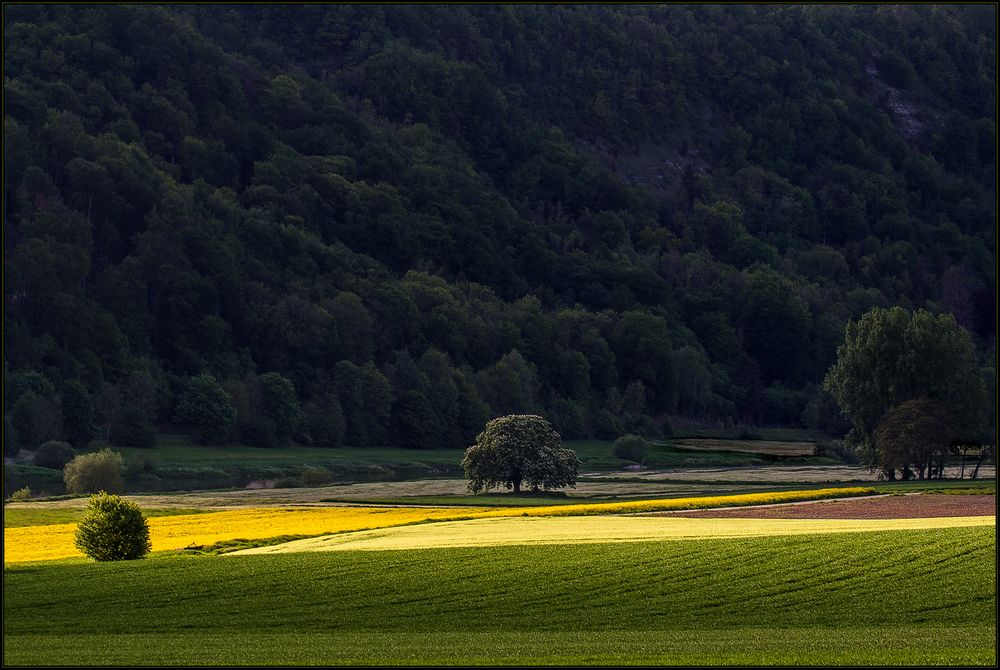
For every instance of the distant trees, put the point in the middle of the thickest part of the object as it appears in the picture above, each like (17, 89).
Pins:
(518, 449)
(79, 424)
(893, 356)
(207, 408)
(169, 215)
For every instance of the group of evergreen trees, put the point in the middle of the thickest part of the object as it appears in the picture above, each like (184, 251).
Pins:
(371, 225)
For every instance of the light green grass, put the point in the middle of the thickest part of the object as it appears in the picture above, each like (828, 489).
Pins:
(894, 597)
(837, 646)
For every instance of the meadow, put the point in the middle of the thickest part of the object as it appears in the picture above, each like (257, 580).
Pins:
(854, 598)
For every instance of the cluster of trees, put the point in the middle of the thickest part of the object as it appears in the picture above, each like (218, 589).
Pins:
(348, 225)
(912, 388)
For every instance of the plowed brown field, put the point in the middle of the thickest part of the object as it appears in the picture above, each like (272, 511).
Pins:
(886, 507)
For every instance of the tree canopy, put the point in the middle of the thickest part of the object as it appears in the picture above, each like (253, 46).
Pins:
(516, 449)
(555, 203)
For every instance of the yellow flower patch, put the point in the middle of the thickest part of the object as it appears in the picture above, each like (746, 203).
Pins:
(596, 529)
(41, 543)
(667, 504)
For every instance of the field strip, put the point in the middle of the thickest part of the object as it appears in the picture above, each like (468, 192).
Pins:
(55, 541)
(595, 529)
(42, 543)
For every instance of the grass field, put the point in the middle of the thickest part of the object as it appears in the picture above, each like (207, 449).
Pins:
(767, 447)
(913, 597)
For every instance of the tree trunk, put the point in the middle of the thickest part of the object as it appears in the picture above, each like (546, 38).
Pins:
(964, 450)
(516, 478)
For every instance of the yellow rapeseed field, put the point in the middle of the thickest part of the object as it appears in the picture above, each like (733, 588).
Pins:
(666, 504)
(41, 543)
(596, 529)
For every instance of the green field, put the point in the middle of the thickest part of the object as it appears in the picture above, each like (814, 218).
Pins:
(894, 597)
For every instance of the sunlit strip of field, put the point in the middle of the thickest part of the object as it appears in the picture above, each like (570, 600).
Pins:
(700, 502)
(41, 543)
(596, 529)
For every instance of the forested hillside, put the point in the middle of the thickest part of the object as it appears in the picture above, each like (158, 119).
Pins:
(372, 225)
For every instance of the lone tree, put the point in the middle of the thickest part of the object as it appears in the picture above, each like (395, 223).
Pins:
(891, 356)
(113, 529)
(516, 449)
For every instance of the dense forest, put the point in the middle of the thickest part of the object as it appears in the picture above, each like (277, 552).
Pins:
(370, 225)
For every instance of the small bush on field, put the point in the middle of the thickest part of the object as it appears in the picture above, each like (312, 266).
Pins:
(631, 448)
(53, 455)
(315, 476)
(20, 495)
(89, 473)
(288, 483)
(113, 529)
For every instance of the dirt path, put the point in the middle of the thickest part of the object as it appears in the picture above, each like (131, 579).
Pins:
(882, 507)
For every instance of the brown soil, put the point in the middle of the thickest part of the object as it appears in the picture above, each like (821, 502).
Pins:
(885, 507)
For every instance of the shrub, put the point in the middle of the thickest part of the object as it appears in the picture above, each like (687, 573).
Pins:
(53, 455)
(315, 476)
(631, 448)
(89, 473)
(113, 529)
(20, 495)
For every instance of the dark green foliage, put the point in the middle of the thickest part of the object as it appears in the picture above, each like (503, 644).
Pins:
(35, 419)
(547, 204)
(279, 405)
(325, 420)
(133, 428)
(10, 446)
(519, 448)
(53, 454)
(915, 437)
(113, 529)
(90, 473)
(415, 423)
(79, 422)
(631, 448)
(205, 407)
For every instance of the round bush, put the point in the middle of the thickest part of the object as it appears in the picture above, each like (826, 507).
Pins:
(631, 448)
(113, 529)
(88, 473)
(53, 455)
